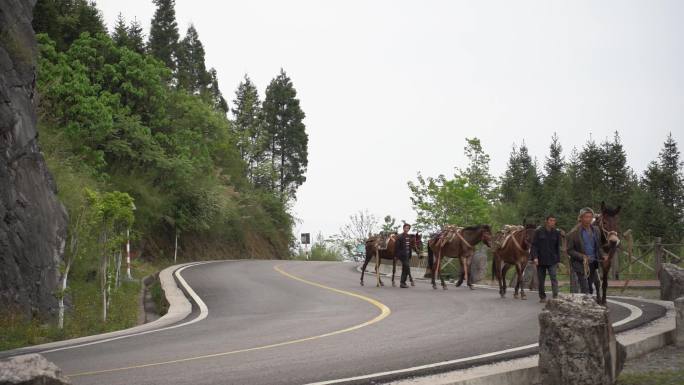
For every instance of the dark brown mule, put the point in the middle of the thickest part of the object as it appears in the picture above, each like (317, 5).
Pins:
(514, 252)
(458, 243)
(607, 222)
(415, 243)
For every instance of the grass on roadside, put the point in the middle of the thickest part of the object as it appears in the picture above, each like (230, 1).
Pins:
(84, 317)
(160, 302)
(667, 377)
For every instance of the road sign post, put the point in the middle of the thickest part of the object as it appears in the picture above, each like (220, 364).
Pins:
(306, 240)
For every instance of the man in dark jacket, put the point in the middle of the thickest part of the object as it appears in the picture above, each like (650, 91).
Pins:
(585, 251)
(546, 255)
(402, 249)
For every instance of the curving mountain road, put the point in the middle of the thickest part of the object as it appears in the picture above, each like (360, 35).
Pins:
(275, 322)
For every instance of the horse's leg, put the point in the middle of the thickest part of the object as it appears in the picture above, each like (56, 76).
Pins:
(411, 279)
(441, 279)
(517, 283)
(394, 270)
(521, 270)
(438, 266)
(434, 264)
(459, 282)
(363, 269)
(507, 266)
(466, 270)
(604, 284)
(377, 268)
(497, 273)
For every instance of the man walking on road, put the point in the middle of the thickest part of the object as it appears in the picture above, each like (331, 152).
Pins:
(546, 255)
(402, 249)
(584, 248)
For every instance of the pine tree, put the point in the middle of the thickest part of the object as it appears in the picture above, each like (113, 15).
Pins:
(510, 181)
(247, 124)
(556, 181)
(520, 170)
(591, 175)
(65, 20)
(554, 162)
(136, 37)
(530, 205)
(617, 176)
(120, 34)
(192, 73)
(664, 182)
(521, 186)
(288, 141)
(213, 93)
(164, 36)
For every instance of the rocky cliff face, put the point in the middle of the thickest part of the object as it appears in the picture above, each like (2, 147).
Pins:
(32, 221)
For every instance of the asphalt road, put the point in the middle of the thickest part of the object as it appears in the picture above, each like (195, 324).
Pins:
(268, 327)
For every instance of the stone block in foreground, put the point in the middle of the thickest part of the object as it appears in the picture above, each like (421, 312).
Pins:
(679, 328)
(577, 344)
(30, 369)
(671, 282)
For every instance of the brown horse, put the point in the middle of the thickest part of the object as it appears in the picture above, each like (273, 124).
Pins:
(415, 243)
(514, 251)
(607, 222)
(455, 242)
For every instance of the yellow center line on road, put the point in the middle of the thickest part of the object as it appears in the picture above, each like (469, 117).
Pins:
(384, 313)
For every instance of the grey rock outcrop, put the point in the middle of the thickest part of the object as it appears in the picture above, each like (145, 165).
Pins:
(576, 343)
(30, 369)
(671, 282)
(32, 221)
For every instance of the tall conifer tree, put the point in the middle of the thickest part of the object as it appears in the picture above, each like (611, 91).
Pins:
(164, 36)
(288, 141)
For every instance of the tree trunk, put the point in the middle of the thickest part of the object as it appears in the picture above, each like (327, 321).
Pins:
(175, 248)
(60, 321)
(273, 155)
(282, 175)
(118, 270)
(103, 279)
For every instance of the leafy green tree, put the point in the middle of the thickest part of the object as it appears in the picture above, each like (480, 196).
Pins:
(163, 43)
(112, 214)
(477, 173)
(286, 135)
(441, 201)
(192, 74)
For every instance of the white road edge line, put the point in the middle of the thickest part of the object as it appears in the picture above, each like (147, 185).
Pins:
(635, 313)
(204, 312)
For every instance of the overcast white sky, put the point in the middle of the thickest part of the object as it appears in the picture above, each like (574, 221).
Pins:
(391, 88)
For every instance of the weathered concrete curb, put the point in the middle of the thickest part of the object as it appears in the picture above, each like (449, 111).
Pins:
(652, 336)
(179, 308)
(525, 371)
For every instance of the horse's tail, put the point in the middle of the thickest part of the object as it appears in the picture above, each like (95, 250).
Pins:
(493, 267)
